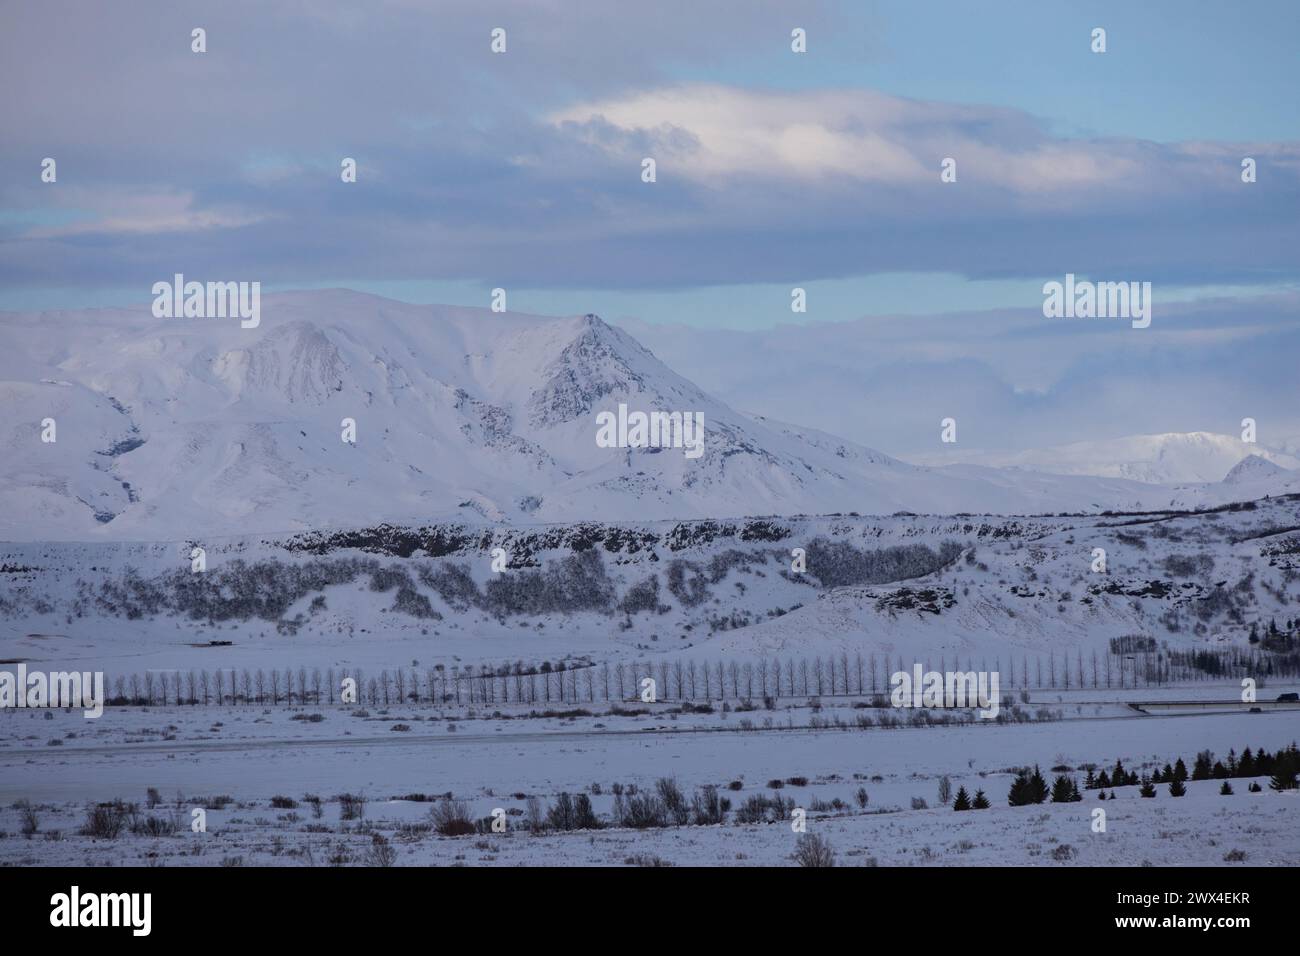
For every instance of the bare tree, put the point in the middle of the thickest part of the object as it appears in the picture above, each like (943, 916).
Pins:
(812, 849)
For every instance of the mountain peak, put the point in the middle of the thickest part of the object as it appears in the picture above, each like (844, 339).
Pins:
(1252, 468)
(342, 408)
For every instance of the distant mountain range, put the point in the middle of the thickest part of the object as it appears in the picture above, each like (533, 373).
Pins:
(167, 429)
(1169, 459)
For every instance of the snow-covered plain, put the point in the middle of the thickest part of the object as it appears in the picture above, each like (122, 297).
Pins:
(192, 754)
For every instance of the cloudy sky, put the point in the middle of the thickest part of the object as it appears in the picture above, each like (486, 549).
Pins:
(774, 170)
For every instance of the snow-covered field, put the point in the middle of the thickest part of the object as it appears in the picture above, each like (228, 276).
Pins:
(250, 754)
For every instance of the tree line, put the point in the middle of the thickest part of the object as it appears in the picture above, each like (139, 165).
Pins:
(649, 681)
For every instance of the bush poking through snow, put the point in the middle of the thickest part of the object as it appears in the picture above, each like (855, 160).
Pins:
(352, 806)
(814, 850)
(451, 817)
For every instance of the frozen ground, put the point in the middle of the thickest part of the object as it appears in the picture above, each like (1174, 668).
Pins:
(250, 754)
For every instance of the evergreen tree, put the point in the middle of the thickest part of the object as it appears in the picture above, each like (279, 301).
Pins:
(1103, 781)
(1246, 766)
(1254, 787)
(1062, 791)
(1019, 794)
(1037, 786)
(1148, 788)
(1226, 789)
(1075, 795)
(1263, 762)
(1090, 781)
(1118, 776)
(1220, 772)
(1177, 789)
(1203, 765)
(1284, 774)
(981, 801)
(1180, 771)
(1101, 795)
(963, 800)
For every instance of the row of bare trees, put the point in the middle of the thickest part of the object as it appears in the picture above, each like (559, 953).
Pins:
(836, 675)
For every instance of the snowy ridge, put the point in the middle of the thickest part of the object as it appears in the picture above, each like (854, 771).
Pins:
(1171, 459)
(176, 428)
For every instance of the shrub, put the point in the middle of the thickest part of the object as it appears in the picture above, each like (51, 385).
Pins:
(572, 813)
(640, 811)
(160, 826)
(451, 817)
(814, 850)
(761, 808)
(352, 806)
(709, 807)
(106, 820)
(381, 852)
(674, 801)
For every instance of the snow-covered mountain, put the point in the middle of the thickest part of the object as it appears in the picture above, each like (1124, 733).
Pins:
(1167, 459)
(167, 429)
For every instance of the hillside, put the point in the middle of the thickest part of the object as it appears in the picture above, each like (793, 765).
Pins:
(175, 428)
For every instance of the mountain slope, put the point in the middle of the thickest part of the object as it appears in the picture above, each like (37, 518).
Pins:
(178, 428)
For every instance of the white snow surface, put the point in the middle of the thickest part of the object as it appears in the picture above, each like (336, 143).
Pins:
(173, 428)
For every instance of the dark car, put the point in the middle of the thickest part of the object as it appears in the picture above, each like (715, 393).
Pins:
(1285, 697)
